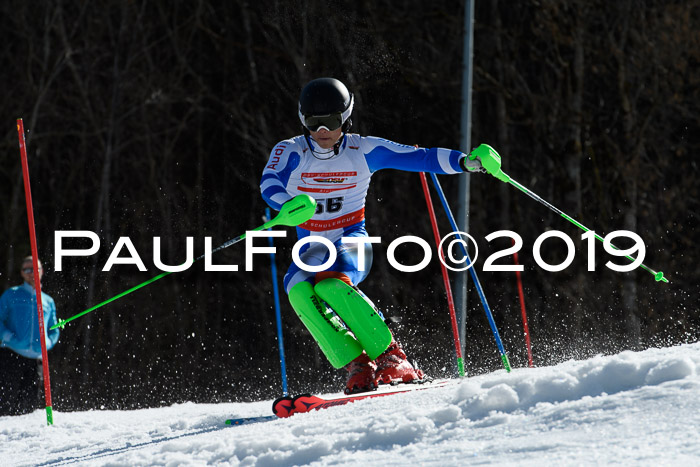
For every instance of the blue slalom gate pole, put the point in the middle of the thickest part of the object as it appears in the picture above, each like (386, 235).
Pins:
(489, 316)
(278, 314)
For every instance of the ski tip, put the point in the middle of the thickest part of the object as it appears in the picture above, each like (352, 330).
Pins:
(246, 420)
(237, 421)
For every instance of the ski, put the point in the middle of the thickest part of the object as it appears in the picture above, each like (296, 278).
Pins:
(247, 420)
(287, 406)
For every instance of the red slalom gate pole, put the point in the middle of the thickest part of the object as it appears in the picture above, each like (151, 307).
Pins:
(521, 294)
(37, 279)
(445, 277)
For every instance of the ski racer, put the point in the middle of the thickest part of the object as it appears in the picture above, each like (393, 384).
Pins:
(334, 167)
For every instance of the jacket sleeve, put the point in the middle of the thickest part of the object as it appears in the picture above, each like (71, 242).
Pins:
(51, 334)
(385, 154)
(284, 158)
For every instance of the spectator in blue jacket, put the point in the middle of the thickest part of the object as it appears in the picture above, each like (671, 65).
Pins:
(20, 347)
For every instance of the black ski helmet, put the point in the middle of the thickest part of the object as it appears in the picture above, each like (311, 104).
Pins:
(325, 97)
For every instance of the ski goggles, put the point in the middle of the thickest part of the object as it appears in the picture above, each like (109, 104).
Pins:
(331, 122)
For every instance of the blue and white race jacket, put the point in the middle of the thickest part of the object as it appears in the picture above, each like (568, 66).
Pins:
(339, 183)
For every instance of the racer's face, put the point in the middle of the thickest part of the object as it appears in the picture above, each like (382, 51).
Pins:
(326, 139)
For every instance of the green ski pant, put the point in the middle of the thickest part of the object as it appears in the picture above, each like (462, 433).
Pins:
(361, 328)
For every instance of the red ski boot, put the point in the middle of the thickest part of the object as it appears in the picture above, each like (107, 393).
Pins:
(360, 375)
(393, 367)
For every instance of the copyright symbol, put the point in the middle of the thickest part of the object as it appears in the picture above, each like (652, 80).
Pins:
(462, 247)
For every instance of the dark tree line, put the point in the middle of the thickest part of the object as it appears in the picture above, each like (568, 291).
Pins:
(156, 118)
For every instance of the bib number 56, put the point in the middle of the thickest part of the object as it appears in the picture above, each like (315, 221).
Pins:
(329, 205)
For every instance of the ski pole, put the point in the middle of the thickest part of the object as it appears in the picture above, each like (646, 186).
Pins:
(491, 162)
(294, 212)
(445, 277)
(278, 313)
(659, 276)
(482, 297)
(37, 277)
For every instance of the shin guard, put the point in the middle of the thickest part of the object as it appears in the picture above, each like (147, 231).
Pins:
(358, 313)
(337, 344)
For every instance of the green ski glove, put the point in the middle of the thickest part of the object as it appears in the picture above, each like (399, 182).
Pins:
(489, 160)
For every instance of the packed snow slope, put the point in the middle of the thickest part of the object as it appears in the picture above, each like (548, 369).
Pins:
(640, 408)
